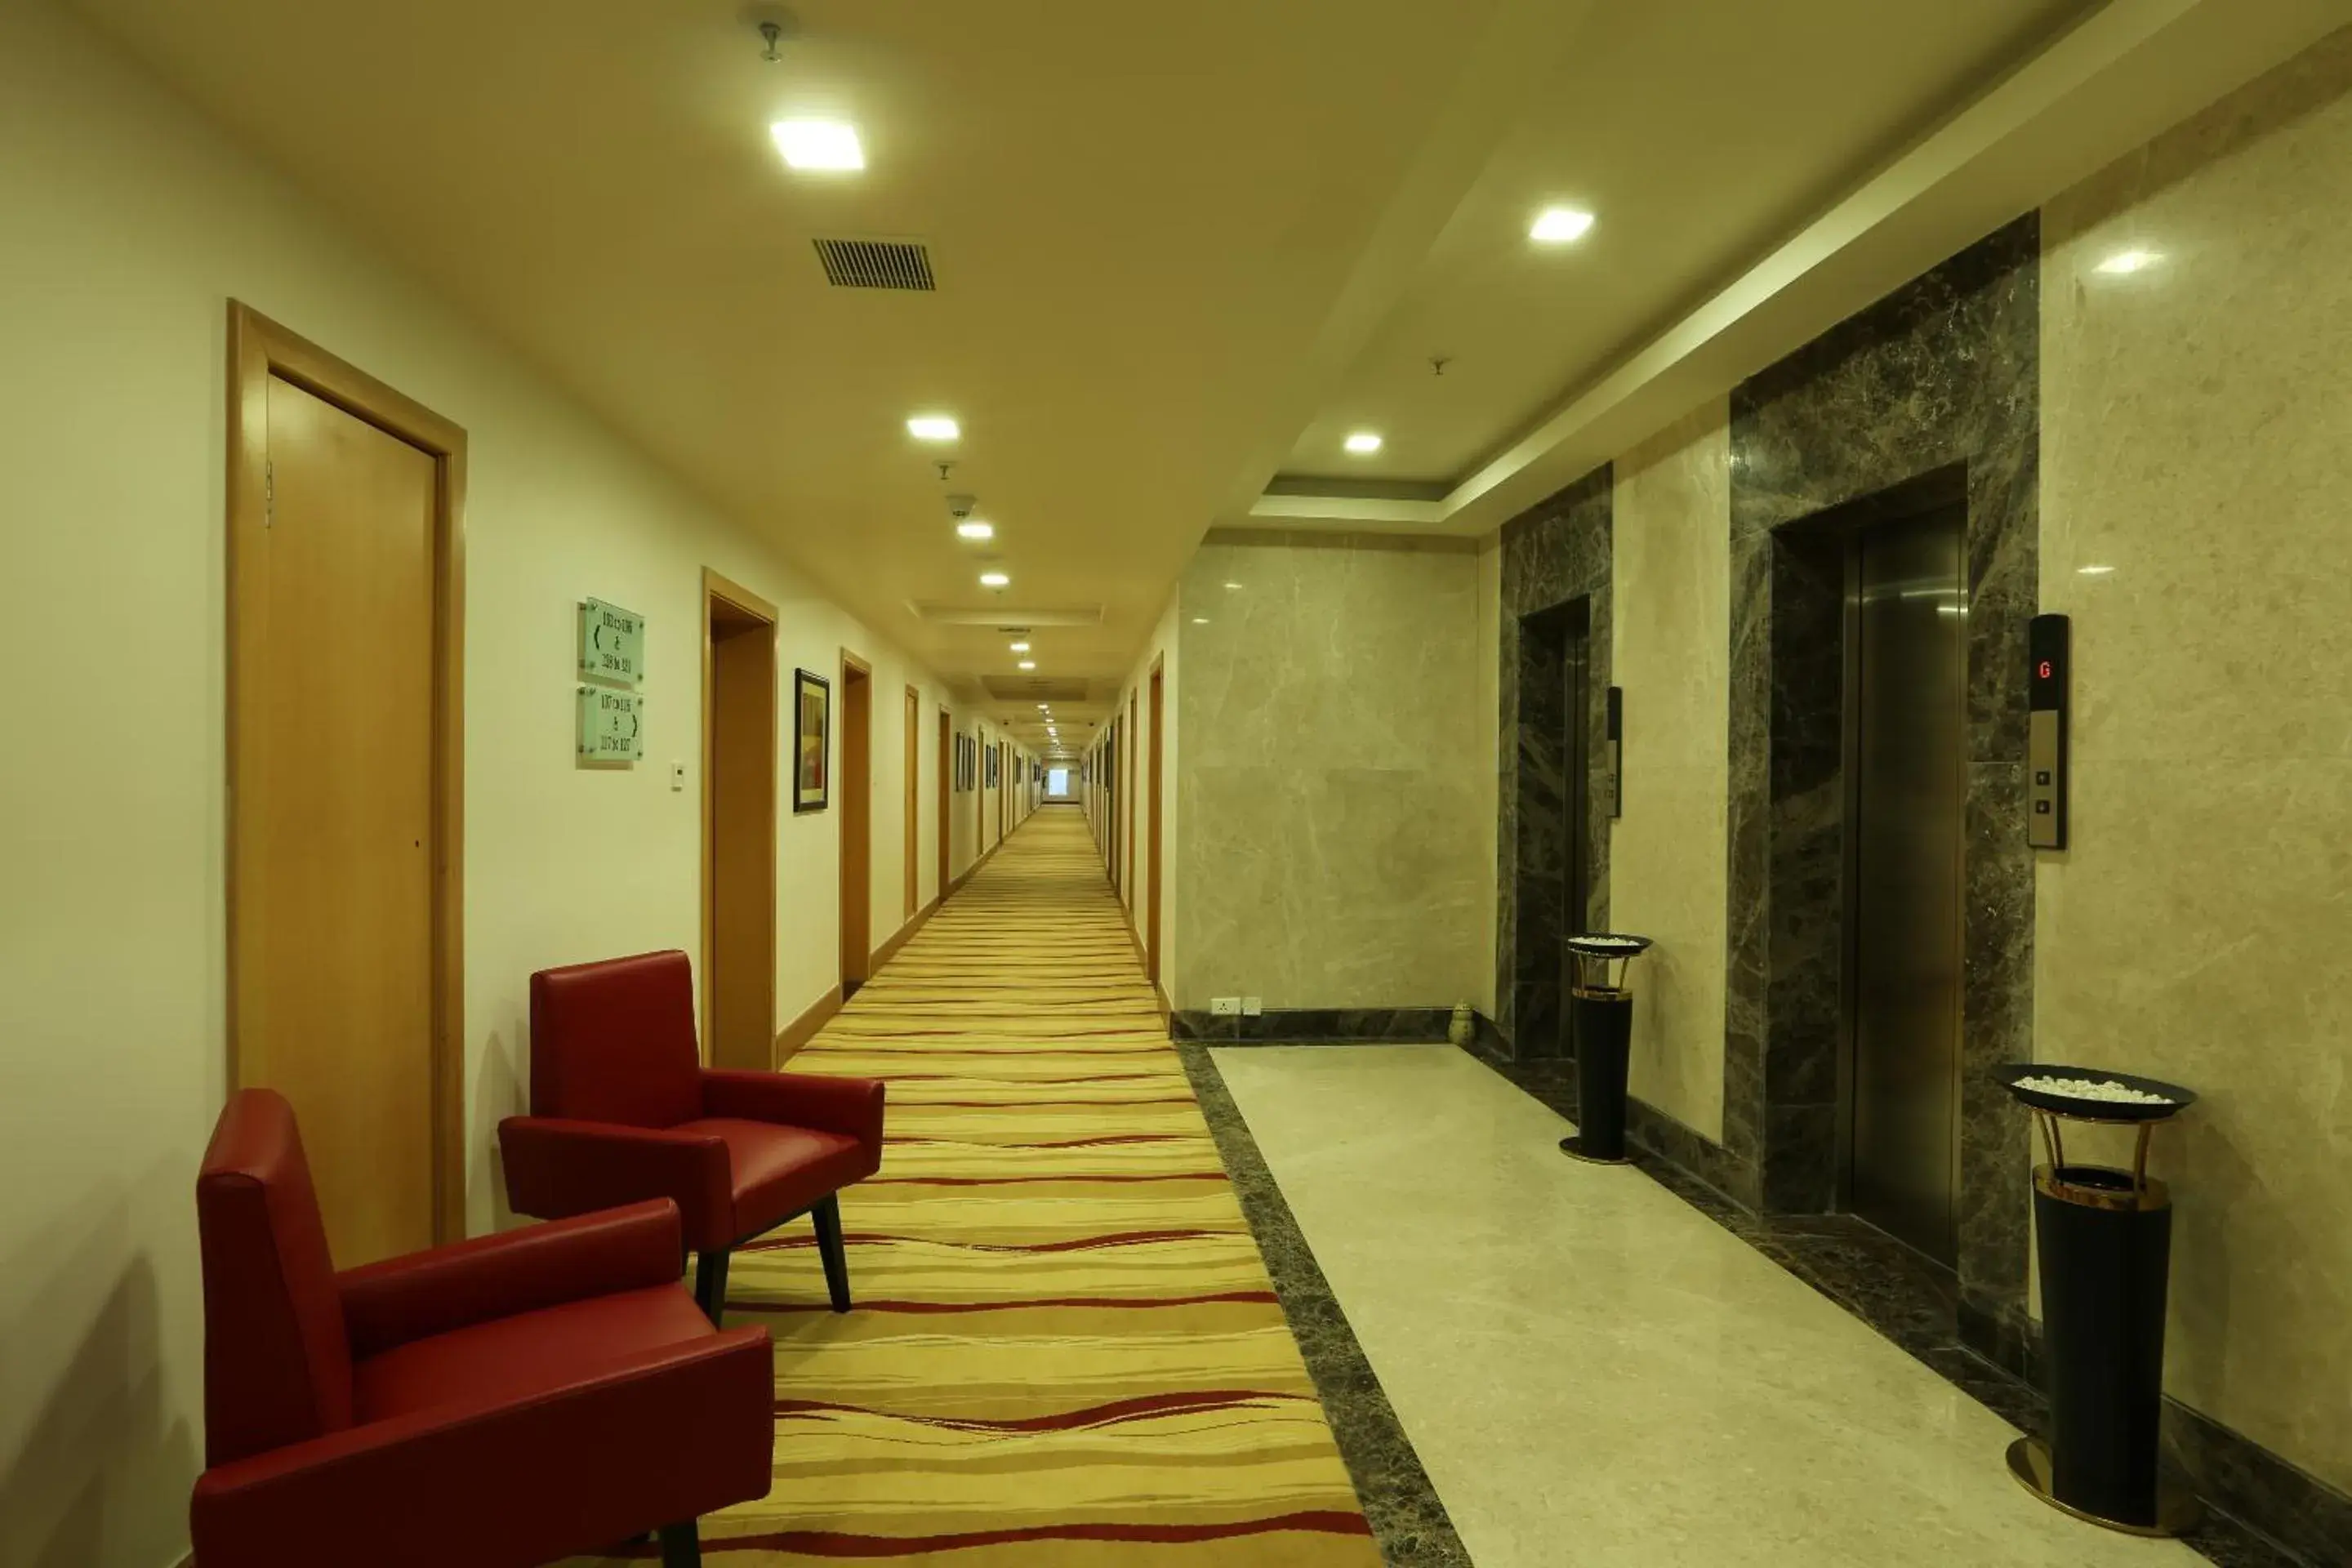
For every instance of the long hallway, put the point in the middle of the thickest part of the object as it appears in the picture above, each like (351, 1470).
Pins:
(1065, 1347)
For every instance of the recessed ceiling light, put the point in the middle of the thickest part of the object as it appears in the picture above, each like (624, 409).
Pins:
(1559, 225)
(993, 579)
(2092, 571)
(1028, 664)
(1042, 705)
(1021, 647)
(2129, 261)
(976, 530)
(933, 427)
(1230, 586)
(1364, 443)
(826, 146)
(1199, 620)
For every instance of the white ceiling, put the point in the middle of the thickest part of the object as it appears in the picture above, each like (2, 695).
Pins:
(1179, 248)
(1699, 133)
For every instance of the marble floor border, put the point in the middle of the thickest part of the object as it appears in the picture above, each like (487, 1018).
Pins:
(1409, 1520)
(1887, 1285)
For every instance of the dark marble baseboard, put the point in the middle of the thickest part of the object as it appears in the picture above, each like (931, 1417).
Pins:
(2237, 1474)
(1314, 1025)
(1409, 1521)
(2260, 1500)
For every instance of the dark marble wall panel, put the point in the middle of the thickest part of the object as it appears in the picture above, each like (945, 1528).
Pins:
(1942, 376)
(1555, 575)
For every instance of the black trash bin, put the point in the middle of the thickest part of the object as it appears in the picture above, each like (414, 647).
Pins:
(2104, 1244)
(1600, 1014)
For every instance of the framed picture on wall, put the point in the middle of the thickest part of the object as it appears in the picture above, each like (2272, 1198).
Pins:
(992, 767)
(963, 765)
(812, 733)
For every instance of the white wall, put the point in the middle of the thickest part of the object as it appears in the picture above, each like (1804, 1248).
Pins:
(128, 225)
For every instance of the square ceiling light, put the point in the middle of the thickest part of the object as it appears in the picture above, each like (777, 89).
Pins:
(829, 146)
(1560, 226)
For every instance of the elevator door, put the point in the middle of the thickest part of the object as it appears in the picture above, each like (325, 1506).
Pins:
(1907, 703)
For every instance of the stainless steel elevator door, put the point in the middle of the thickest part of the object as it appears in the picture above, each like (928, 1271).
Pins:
(1907, 815)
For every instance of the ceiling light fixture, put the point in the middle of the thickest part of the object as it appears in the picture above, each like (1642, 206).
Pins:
(2123, 261)
(1364, 443)
(1021, 647)
(1043, 707)
(2092, 571)
(1199, 620)
(933, 427)
(1028, 664)
(976, 530)
(993, 580)
(1560, 226)
(822, 146)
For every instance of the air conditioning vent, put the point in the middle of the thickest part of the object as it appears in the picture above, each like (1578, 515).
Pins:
(877, 264)
(1033, 689)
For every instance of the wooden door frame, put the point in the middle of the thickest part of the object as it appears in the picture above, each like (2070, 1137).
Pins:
(946, 803)
(912, 791)
(1129, 735)
(718, 589)
(1154, 858)
(865, 965)
(259, 348)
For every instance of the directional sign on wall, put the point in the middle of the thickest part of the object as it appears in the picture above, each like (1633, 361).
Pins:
(612, 725)
(611, 642)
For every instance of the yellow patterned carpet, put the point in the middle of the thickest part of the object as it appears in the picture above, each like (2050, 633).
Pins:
(1065, 1348)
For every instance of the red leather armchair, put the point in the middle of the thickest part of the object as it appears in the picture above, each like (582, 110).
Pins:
(623, 1110)
(497, 1403)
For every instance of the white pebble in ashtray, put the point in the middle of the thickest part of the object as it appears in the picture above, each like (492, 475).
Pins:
(2106, 1089)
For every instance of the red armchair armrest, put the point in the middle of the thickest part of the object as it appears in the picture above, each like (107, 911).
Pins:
(849, 1106)
(490, 1276)
(556, 1168)
(658, 1438)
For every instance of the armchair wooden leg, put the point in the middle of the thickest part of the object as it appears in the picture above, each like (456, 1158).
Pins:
(828, 1215)
(710, 1284)
(681, 1544)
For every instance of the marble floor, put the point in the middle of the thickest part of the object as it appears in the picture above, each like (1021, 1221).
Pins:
(1592, 1372)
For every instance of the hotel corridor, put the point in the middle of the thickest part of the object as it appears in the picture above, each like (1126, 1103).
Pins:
(1064, 1347)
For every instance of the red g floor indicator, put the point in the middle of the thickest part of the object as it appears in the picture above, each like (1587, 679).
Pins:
(2047, 640)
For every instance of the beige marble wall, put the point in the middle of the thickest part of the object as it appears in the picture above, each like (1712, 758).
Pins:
(1667, 867)
(1330, 787)
(1485, 749)
(2196, 472)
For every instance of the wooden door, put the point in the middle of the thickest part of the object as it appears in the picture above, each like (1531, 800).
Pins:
(740, 763)
(857, 823)
(913, 837)
(1153, 781)
(335, 822)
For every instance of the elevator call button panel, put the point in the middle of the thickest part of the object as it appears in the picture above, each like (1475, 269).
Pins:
(1613, 756)
(2047, 649)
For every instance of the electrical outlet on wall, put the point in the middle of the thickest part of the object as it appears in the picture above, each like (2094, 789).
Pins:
(1251, 1006)
(677, 777)
(1224, 1007)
